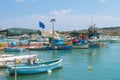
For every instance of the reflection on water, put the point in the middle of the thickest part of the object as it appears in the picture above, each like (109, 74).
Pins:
(93, 55)
(4, 74)
(104, 62)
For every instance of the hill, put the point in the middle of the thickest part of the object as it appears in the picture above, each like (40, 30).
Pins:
(113, 31)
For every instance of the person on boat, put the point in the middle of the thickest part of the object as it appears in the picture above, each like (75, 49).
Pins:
(74, 41)
(36, 60)
(81, 36)
(50, 40)
(30, 61)
(9, 44)
(28, 43)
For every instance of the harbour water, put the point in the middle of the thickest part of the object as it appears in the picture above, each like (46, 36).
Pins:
(105, 63)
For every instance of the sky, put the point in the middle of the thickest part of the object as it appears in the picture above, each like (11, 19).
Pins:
(69, 14)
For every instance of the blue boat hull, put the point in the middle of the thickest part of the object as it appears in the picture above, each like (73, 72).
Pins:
(52, 48)
(80, 46)
(36, 68)
(92, 45)
(14, 49)
(60, 48)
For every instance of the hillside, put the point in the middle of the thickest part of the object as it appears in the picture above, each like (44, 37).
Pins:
(113, 31)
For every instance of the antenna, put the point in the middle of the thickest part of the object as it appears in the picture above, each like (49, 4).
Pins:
(91, 21)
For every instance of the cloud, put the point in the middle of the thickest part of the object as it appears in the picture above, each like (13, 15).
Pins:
(29, 21)
(62, 12)
(63, 22)
(107, 17)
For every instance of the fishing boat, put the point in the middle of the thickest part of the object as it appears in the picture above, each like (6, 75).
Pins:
(36, 68)
(38, 48)
(80, 46)
(51, 48)
(79, 43)
(59, 47)
(59, 44)
(9, 59)
(114, 40)
(6, 55)
(14, 49)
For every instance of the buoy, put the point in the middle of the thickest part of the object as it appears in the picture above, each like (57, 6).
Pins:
(55, 47)
(103, 44)
(49, 71)
(89, 67)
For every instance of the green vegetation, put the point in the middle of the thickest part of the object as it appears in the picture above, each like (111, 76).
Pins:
(19, 31)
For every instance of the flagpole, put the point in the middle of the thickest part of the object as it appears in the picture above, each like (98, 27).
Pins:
(52, 21)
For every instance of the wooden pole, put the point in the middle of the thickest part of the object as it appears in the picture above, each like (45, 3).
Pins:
(15, 77)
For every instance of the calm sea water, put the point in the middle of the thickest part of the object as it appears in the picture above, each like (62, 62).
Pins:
(105, 64)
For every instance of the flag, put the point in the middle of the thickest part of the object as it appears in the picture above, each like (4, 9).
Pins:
(41, 25)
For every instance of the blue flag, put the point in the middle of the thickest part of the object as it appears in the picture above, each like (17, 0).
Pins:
(41, 25)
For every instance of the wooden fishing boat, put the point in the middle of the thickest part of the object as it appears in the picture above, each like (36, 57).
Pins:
(14, 49)
(59, 45)
(55, 47)
(38, 48)
(63, 47)
(80, 46)
(9, 59)
(6, 55)
(35, 68)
